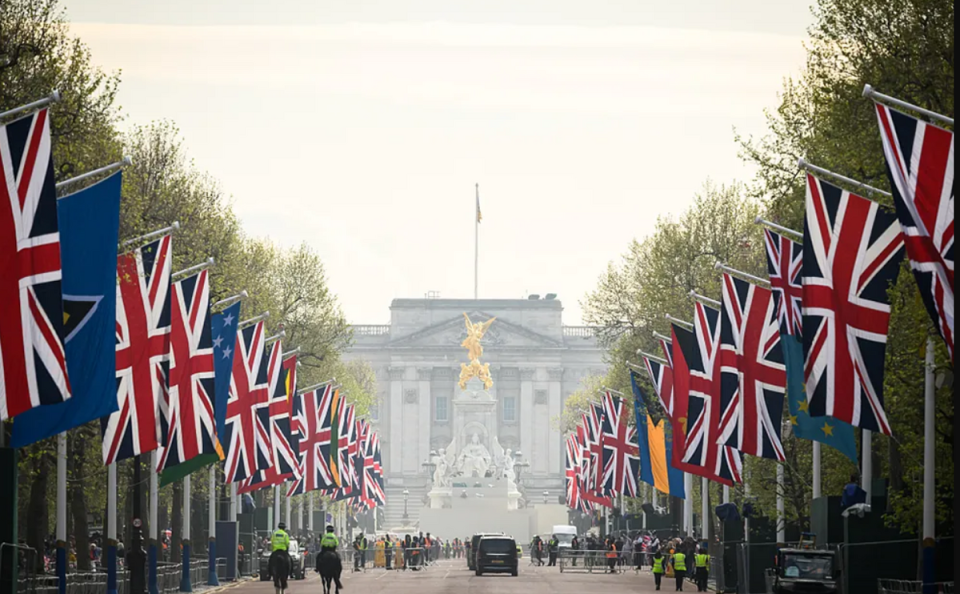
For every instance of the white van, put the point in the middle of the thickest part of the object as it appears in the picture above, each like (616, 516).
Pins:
(565, 535)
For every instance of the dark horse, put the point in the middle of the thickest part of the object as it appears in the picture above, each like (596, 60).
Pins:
(279, 566)
(329, 567)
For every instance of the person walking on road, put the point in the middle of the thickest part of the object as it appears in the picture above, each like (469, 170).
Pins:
(702, 569)
(553, 547)
(679, 568)
(658, 568)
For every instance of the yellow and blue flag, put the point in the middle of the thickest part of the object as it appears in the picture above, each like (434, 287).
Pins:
(89, 225)
(655, 442)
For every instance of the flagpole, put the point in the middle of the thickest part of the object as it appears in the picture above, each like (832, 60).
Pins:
(816, 470)
(153, 527)
(35, 106)
(781, 509)
(112, 528)
(688, 504)
(704, 508)
(99, 171)
(866, 473)
(476, 247)
(871, 93)
(212, 530)
(929, 476)
(62, 511)
(185, 583)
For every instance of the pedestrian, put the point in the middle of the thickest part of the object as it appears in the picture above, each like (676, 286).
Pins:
(612, 555)
(574, 550)
(657, 568)
(702, 563)
(553, 547)
(679, 568)
(387, 552)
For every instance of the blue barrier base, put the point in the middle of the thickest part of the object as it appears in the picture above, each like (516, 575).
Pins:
(112, 568)
(212, 579)
(152, 586)
(929, 566)
(185, 585)
(62, 567)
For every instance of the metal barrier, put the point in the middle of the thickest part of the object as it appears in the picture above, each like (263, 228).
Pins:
(592, 561)
(910, 587)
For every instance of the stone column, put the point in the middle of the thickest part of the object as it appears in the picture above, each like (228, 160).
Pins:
(395, 422)
(556, 462)
(425, 421)
(525, 420)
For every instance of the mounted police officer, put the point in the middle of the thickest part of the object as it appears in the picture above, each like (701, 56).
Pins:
(329, 555)
(280, 545)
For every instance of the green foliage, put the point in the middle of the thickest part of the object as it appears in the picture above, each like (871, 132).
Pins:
(38, 54)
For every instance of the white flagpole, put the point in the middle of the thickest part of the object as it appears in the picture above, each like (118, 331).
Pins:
(310, 513)
(62, 486)
(233, 502)
(817, 492)
(476, 247)
(688, 504)
(704, 508)
(866, 474)
(34, 106)
(781, 509)
(929, 443)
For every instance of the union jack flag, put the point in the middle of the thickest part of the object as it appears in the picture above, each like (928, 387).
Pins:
(574, 498)
(372, 485)
(246, 438)
(378, 468)
(662, 377)
(591, 457)
(275, 413)
(192, 426)
(719, 463)
(33, 369)
(784, 266)
(143, 352)
(851, 253)
(753, 375)
(621, 455)
(920, 163)
(312, 412)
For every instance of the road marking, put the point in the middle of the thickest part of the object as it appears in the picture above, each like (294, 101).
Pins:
(380, 576)
(445, 575)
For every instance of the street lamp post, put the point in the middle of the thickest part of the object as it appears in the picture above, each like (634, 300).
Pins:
(406, 496)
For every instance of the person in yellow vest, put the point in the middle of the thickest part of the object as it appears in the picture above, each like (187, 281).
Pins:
(280, 545)
(702, 562)
(679, 568)
(658, 561)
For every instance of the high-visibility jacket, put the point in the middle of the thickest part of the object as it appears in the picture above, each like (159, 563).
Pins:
(612, 552)
(679, 562)
(280, 541)
(329, 541)
(658, 565)
(702, 560)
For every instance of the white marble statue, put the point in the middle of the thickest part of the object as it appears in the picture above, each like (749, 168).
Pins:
(508, 472)
(441, 476)
(475, 458)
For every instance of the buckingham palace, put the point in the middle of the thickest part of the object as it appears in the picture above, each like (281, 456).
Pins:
(535, 362)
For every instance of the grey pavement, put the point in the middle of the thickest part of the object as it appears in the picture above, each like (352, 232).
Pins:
(453, 577)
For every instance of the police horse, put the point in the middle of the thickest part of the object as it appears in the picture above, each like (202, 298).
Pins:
(279, 566)
(329, 567)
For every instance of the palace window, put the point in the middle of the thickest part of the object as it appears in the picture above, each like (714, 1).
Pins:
(441, 412)
(509, 409)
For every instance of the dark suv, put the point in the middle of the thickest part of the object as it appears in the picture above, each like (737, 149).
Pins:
(497, 554)
(474, 543)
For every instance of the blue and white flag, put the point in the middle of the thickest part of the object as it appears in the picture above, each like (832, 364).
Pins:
(89, 227)
(224, 342)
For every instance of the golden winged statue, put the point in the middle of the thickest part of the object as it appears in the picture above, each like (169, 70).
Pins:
(475, 369)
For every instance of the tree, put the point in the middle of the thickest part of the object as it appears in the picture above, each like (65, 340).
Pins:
(903, 48)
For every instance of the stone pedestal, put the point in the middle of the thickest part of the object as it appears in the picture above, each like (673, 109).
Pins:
(513, 500)
(441, 498)
(475, 411)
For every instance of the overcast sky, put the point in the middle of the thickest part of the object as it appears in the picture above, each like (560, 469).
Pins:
(361, 127)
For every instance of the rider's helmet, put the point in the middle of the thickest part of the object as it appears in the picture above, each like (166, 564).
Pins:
(282, 526)
(329, 528)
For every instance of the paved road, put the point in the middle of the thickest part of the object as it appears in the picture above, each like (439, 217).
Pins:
(453, 577)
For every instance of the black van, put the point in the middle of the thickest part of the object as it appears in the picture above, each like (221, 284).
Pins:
(474, 543)
(497, 554)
